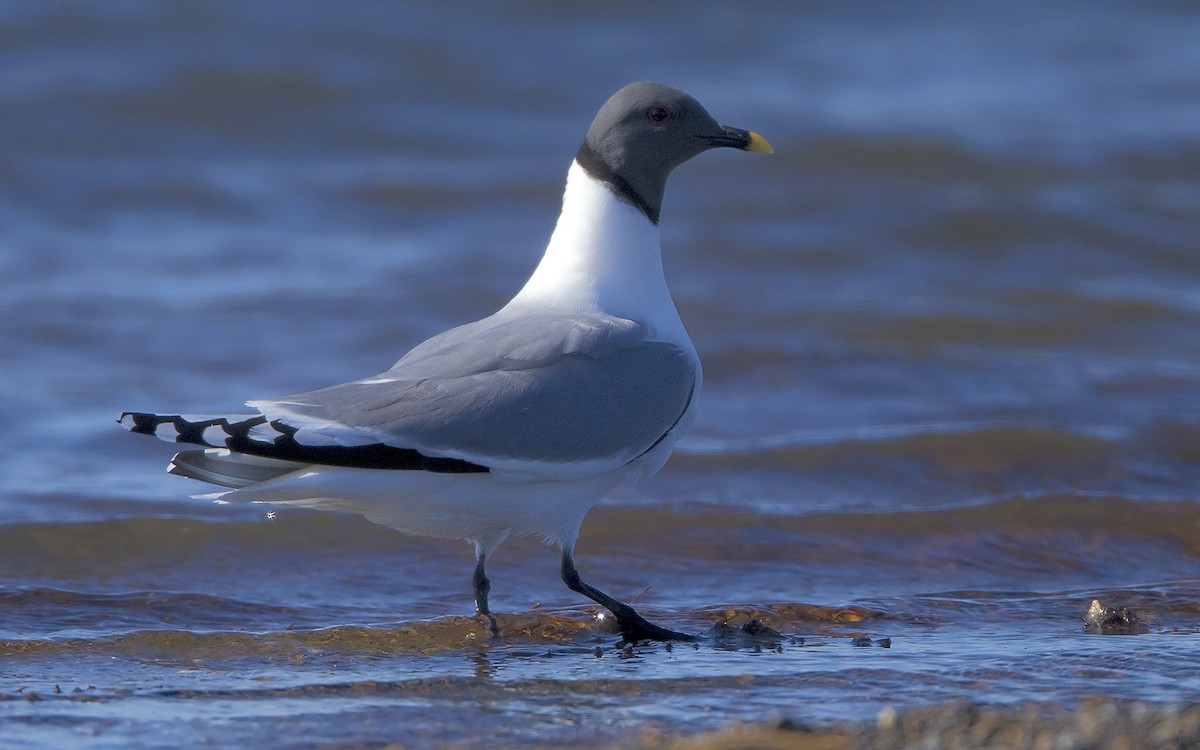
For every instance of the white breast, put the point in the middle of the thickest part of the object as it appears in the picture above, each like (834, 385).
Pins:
(605, 256)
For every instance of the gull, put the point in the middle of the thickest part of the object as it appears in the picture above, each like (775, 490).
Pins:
(518, 423)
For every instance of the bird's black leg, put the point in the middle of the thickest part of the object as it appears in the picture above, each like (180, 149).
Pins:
(633, 626)
(482, 587)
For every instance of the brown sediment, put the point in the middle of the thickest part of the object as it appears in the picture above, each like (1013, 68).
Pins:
(753, 738)
(423, 637)
(780, 613)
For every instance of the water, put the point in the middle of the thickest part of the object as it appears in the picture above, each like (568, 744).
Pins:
(949, 333)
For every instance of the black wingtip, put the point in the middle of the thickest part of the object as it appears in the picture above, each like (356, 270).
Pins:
(234, 433)
(139, 423)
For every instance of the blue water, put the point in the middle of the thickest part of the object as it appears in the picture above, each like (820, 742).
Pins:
(949, 332)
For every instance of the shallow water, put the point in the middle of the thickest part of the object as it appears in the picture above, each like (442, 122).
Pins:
(949, 335)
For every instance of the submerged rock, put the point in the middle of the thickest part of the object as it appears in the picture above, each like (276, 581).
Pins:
(1109, 621)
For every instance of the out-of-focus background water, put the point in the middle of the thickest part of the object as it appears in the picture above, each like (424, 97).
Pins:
(951, 333)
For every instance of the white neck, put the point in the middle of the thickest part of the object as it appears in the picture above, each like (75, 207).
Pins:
(604, 256)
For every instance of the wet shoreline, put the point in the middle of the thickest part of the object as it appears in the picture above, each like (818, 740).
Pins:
(1096, 723)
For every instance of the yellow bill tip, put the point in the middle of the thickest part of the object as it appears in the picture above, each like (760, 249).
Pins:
(759, 144)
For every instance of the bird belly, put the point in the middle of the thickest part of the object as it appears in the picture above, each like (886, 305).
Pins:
(450, 506)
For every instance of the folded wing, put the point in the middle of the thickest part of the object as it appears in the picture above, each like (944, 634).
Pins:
(544, 394)
(541, 395)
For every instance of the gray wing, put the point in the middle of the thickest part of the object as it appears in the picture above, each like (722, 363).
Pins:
(511, 391)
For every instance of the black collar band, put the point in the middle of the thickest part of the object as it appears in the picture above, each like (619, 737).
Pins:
(590, 160)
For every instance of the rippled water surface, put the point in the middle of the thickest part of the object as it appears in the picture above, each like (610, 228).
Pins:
(949, 332)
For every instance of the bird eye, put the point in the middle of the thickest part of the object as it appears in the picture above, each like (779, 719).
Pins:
(658, 114)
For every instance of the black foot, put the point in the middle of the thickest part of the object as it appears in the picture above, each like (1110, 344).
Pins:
(636, 628)
(633, 626)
